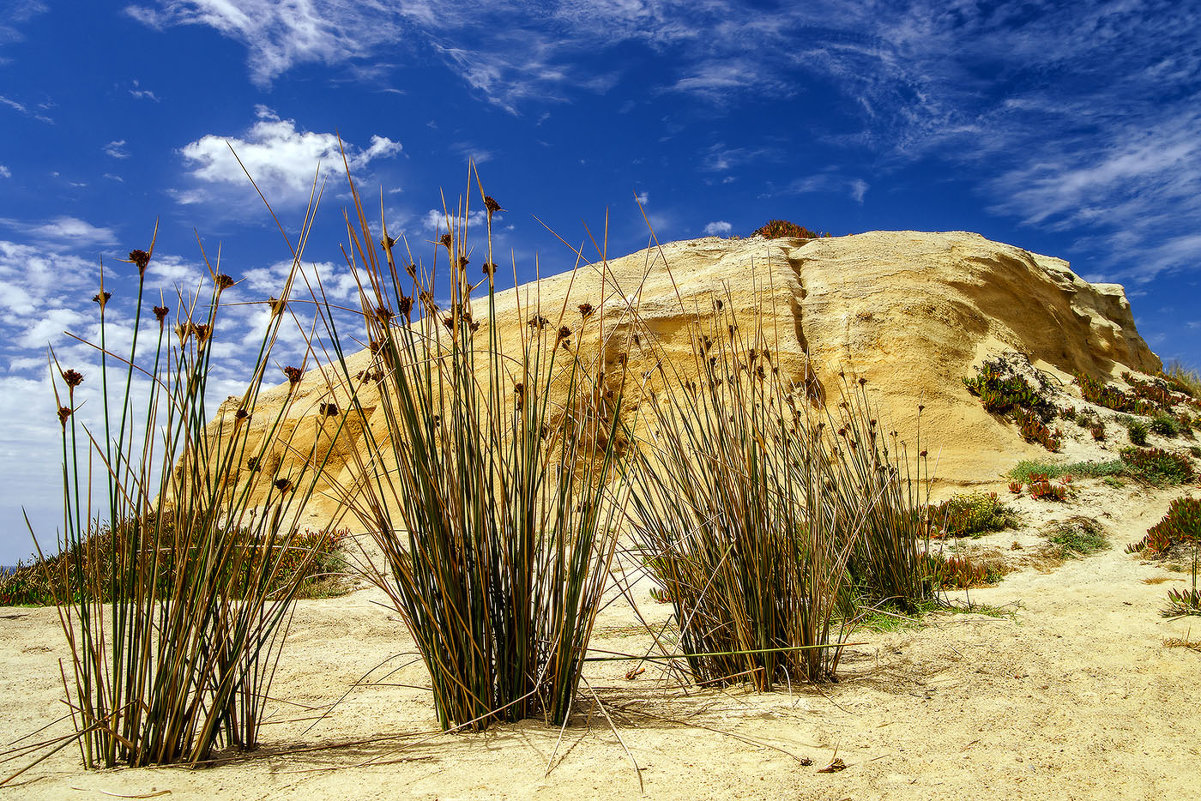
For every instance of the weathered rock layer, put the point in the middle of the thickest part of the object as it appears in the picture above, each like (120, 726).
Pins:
(910, 312)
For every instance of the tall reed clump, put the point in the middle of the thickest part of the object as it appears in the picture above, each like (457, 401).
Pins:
(482, 477)
(170, 665)
(751, 509)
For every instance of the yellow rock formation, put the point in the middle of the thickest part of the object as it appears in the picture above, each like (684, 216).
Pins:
(911, 312)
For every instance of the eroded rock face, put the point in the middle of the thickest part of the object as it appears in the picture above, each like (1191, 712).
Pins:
(910, 312)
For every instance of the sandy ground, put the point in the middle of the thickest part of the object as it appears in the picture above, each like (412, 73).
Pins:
(1069, 693)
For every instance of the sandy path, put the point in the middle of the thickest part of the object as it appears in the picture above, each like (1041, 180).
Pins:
(1073, 695)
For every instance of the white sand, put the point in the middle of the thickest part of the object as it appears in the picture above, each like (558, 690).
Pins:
(1073, 695)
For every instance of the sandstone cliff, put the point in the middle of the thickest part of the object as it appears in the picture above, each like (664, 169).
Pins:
(911, 312)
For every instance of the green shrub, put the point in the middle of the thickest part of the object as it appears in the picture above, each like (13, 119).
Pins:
(1181, 525)
(1077, 536)
(1109, 396)
(970, 514)
(1138, 431)
(1004, 391)
(1157, 466)
(1165, 425)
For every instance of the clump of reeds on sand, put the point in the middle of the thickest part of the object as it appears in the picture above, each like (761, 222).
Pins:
(483, 476)
(766, 520)
(175, 640)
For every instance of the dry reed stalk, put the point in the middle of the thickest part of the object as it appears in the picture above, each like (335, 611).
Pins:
(760, 516)
(482, 476)
(174, 644)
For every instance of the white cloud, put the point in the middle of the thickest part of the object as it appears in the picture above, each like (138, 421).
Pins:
(643, 198)
(65, 232)
(23, 109)
(279, 36)
(718, 228)
(281, 159)
(830, 182)
(435, 220)
(905, 81)
(116, 149)
(143, 94)
(5, 172)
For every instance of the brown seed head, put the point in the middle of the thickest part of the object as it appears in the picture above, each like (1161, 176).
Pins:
(489, 268)
(405, 305)
(387, 242)
(462, 262)
(140, 258)
(491, 205)
(586, 309)
(294, 375)
(564, 332)
(538, 321)
(862, 381)
(241, 415)
(383, 314)
(252, 463)
(101, 298)
(447, 240)
(63, 414)
(328, 409)
(72, 378)
(223, 281)
(160, 313)
(202, 332)
(283, 484)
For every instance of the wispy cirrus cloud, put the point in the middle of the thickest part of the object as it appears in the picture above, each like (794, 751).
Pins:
(16, 14)
(1010, 90)
(142, 94)
(116, 149)
(281, 159)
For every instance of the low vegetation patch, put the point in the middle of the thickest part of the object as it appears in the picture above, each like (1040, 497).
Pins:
(313, 559)
(1076, 536)
(1151, 465)
(960, 572)
(970, 514)
(1157, 466)
(1102, 394)
(1180, 526)
(1183, 380)
(783, 229)
(1004, 391)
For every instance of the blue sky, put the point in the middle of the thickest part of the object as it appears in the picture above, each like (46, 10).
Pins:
(1069, 129)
